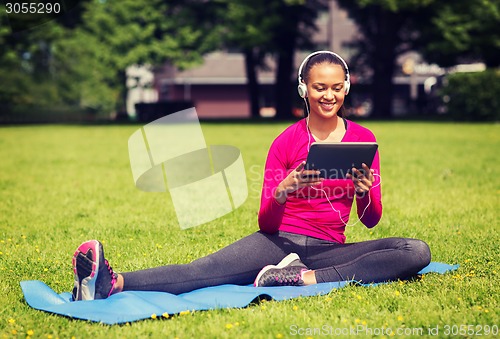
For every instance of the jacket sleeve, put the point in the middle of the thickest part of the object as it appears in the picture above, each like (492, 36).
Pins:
(370, 214)
(271, 212)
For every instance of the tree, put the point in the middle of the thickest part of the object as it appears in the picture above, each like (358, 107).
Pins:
(117, 34)
(462, 31)
(388, 29)
(27, 61)
(444, 31)
(81, 58)
(293, 31)
(247, 26)
(278, 27)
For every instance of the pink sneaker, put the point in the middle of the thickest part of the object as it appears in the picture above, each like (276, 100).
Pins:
(94, 278)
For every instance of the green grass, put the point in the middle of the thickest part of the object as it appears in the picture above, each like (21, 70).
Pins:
(61, 185)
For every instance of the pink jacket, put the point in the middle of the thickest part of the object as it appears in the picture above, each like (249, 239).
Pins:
(307, 211)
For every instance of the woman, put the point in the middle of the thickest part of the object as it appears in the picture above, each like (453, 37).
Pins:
(302, 218)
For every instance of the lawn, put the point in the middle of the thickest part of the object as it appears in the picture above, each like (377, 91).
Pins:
(61, 185)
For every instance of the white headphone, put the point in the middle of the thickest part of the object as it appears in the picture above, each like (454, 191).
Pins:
(302, 87)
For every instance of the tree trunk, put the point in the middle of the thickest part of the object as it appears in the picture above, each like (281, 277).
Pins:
(252, 82)
(121, 105)
(384, 59)
(285, 65)
(283, 86)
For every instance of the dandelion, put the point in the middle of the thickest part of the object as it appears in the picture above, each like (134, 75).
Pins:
(30, 332)
(184, 313)
(400, 318)
(49, 336)
(14, 332)
(396, 293)
(358, 297)
(12, 321)
(153, 316)
(279, 335)
(236, 324)
(158, 246)
(165, 315)
(295, 307)
(229, 326)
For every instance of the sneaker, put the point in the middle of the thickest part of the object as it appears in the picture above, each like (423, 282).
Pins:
(94, 278)
(287, 273)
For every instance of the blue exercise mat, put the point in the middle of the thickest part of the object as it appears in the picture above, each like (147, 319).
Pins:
(137, 305)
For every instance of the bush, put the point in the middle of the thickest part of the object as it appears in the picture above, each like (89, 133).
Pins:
(473, 96)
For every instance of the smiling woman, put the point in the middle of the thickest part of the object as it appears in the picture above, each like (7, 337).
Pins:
(302, 218)
(323, 84)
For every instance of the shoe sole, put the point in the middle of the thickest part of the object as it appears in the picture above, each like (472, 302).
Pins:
(283, 263)
(85, 282)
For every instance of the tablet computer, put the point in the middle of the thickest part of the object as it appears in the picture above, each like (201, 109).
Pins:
(336, 159)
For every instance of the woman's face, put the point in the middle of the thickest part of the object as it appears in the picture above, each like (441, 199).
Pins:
(325, 89)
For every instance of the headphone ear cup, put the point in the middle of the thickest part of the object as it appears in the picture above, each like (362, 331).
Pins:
(347, 86)
(302, 89)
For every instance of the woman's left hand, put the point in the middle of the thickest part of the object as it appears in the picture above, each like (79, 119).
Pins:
(362, 179)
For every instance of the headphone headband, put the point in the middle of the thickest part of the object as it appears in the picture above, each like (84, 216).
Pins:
(302, 87)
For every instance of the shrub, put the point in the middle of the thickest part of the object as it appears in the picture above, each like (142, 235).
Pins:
(473, 96)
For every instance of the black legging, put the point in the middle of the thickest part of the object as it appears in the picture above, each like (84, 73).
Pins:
(239, 263)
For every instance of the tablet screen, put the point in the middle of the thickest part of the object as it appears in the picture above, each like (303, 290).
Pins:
(336, 159)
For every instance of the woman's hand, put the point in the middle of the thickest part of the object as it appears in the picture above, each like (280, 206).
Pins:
(298, 178)
(363, 180)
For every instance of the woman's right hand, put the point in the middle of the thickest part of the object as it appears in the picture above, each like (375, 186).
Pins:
(298, 178)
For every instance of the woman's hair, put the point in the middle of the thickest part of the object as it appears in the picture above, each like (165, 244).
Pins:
(323, 58)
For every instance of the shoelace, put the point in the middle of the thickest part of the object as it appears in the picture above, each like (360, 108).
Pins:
(114, 276)
(288, 280)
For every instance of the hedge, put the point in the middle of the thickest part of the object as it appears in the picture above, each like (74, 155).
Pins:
(473, 96)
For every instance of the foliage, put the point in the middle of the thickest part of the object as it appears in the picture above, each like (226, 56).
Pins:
(84, 65)
(61, 185)
(445, 32)
(462, 31)
(118, 34)
(27, 63)
(473, 96)
(262, 28)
